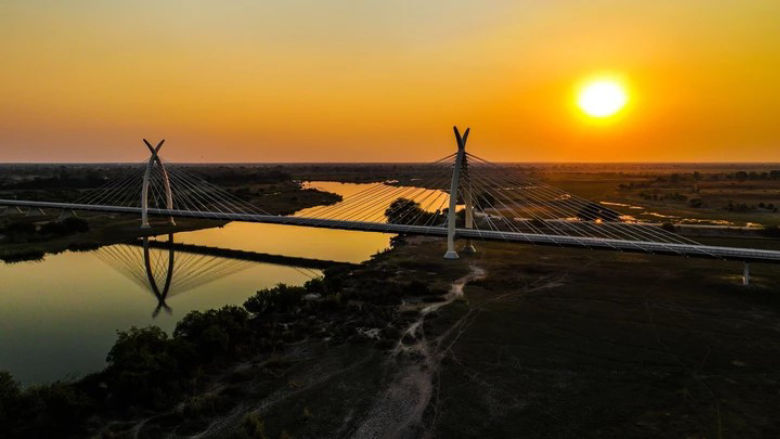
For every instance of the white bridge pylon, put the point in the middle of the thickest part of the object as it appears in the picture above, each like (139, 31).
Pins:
(461, 165)
(154, 159)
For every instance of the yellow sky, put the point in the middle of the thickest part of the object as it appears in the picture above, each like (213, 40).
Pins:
(371, 80)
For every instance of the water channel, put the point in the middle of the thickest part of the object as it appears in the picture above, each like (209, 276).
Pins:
(59, 316)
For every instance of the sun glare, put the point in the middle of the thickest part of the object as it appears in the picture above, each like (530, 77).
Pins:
(602, 98)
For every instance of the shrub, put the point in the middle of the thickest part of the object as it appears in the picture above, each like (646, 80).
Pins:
(214, 333)
(10, 396)
(76, 225)
(334, 277)
(142, 368)
(405, 211)
(67, 226)
(281, 298)
(56, 409)
(20, 227)
(254, 426)
(204, 405)
(53, 410)
(417, 288)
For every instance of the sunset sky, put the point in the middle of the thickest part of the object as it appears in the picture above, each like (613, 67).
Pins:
(371, 80)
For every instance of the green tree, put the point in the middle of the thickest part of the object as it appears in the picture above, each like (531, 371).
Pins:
(142, 368)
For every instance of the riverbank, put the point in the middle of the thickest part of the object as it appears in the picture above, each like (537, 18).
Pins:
(543, 341)
(522, 339)
(281, 342)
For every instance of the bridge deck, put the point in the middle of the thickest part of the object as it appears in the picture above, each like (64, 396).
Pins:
(690, 250)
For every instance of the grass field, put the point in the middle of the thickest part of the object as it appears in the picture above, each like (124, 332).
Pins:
(566, 343)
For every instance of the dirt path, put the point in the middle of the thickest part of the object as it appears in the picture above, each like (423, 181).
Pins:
(398, 412)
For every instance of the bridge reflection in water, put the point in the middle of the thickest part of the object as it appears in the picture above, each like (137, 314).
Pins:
(166, 268)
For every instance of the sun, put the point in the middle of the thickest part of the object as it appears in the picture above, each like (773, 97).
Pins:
(602, 98)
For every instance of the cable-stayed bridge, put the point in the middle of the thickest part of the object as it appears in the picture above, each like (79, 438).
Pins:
(460, 196)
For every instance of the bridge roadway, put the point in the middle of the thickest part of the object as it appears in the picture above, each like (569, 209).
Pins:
(690, 250)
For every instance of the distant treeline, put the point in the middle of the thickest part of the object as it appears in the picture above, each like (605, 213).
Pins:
(63, 227)
(89, 179)
(738, 175)
(86, 177)
(241, 175)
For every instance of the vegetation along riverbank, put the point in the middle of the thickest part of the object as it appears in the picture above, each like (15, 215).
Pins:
(510, 339)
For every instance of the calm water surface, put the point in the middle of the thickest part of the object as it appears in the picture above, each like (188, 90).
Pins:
(59, 316)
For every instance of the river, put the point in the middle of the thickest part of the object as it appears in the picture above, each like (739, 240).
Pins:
(59, 316)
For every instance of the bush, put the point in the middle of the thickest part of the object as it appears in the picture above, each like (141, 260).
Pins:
(316, 286)
(142, 367)
(214, 333)
(334, 277)
(405, 211)
(76, 225)
(205, 405)
(279, 299)
(20, 227)
(67, 226)
(54, 410)
(10, 396)
(417, 288)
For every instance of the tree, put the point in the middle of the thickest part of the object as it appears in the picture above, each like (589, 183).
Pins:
(214, 333)
(10, 396)
(405, 211)
(281, 298)
(141, 367)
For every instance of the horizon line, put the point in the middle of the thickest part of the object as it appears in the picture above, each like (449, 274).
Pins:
(551, 162)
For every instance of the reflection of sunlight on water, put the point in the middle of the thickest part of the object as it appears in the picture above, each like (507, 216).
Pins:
(677, 219)
(710, 222)
(659, 215)
(304, 242)
(429, 199)
(307, 242)
(612, 203)
(344, 189)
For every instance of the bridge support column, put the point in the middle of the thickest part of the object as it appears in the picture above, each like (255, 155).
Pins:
(468, 199)
(451, 213)
(155, 159)
(746, 274)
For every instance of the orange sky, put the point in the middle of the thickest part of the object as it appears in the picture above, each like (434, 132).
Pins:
(371, 80)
